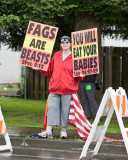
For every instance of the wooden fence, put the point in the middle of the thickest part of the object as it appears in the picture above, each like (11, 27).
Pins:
(114, 72)
(36, 85)
(115, 67)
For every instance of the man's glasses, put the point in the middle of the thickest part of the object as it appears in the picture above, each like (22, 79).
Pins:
(65, 42)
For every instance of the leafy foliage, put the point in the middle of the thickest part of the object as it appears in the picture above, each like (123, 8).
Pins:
(112, 14)
(16, 14)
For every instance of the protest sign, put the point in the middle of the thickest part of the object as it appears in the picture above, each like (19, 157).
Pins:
(85, 52)
(38, 45)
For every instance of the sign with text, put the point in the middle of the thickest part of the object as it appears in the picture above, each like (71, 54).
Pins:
(38, 45)
(85, 52)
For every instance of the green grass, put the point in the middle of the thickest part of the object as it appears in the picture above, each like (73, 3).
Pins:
(113, 125)
(30, 113)
(21, 112)
(8, 89)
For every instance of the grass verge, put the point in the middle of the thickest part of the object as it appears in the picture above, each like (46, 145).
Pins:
(21, 112)
(30, 113)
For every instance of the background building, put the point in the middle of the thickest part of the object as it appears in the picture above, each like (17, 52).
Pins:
(10, 70)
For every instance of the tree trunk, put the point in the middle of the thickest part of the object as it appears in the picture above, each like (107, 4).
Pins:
(87, 22)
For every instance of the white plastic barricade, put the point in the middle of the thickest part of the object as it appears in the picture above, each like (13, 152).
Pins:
(4, 132)
(111, 101)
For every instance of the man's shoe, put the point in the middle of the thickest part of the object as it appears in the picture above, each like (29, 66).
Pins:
(45, 134)
(63, 134)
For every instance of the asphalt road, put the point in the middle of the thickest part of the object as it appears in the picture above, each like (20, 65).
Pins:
(45, 149)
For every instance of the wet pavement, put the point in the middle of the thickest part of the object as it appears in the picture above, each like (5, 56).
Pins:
(26, 148)
(26, 131)
(72, 134)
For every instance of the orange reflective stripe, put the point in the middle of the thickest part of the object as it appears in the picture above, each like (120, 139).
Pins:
(1, 126)
(118, 102)
(6, 130)
(109, 103)
(123, 106)
(127, 133)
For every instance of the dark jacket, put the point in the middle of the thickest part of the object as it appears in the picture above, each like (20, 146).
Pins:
(89, 79)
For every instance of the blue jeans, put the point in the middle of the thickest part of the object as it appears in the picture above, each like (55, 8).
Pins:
(91, 107)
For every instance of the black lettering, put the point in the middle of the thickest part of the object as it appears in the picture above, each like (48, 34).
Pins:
(94, 49)
(32, 43)
(77, 52)
(91, 40)
(52, 33)
(75, 65)
(30, 63)
(86, 37)
(88, 63)
(80, 51)
(23, 54)
(28, 54)
(91, 62)
(23, 62)
(84, 72)
(30, 27)
(37, 30)
(38, 43)
(74, 53)
(43, 55)
(77, 38)
(84, 63)
(87, 50)
(38, 56)
(91, 49)
(43, 45)
(94, 38)
(76, 74)
(89, 36)
(35, 64)
(74, 38)
(33, 57)
(80, 64)
(95, 62)
(84, 48)
(46, 58)
(81, 38)
(45, 33)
